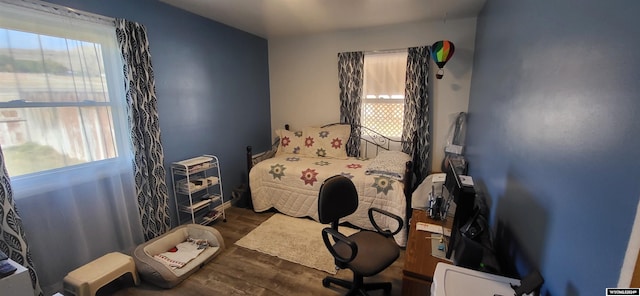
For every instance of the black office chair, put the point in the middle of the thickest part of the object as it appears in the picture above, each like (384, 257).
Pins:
(366, 252)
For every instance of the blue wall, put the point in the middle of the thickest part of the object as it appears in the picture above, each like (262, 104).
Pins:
(212, 83)
(553, 138)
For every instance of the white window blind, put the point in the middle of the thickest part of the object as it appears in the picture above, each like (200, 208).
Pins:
(383, 91)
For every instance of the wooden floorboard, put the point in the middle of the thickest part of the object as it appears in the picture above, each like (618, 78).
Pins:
(239, 271)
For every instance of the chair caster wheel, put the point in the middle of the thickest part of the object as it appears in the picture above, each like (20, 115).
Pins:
(325, 283)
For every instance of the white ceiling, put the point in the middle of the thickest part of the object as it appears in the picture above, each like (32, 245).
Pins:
(278, 18)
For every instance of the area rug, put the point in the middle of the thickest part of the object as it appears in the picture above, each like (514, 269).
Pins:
(297, 240)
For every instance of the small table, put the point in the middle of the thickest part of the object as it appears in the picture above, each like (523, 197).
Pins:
(87, 279)
(419, 264)
(18, 283)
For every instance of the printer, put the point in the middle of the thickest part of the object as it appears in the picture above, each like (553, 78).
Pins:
(452, 280)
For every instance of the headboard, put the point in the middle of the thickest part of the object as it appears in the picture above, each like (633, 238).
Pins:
(367, 143)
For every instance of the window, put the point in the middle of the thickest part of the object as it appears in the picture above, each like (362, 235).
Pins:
(383, 92)
(61, 102)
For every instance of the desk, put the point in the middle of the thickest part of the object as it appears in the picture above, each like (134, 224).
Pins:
(419, 265)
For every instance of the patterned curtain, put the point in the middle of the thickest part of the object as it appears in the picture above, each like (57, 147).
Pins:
(350, 75)
(13, 241)
(149, 170)
(416, 112)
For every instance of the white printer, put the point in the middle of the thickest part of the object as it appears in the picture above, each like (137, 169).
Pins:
(452, 280)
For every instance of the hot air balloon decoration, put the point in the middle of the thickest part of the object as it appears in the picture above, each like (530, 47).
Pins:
(441, 52)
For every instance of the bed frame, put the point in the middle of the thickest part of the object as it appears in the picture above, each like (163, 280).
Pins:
(370, 142)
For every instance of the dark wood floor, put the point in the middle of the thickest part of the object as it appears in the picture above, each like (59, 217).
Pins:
(239, 271)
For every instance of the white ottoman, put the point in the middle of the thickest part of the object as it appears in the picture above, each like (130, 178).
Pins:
(87, 279)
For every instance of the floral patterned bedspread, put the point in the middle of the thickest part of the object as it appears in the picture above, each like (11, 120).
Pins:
(291, 184)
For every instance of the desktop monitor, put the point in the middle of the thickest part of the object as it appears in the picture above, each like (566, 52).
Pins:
(463, 196)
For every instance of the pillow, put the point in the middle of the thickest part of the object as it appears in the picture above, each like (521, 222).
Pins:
(389, 163)
(327, 142)
(290, 142)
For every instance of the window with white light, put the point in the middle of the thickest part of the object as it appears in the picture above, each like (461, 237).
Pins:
(61, 95)
(383, 92)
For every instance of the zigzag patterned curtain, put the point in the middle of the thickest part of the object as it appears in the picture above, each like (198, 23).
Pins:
(350, 76)
(416, 112)
(151, 188)
(13, 241)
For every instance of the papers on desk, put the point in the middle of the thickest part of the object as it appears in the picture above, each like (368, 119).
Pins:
(439, 250)
(433, 228)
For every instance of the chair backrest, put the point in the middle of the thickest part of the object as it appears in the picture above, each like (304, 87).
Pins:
(338, 198)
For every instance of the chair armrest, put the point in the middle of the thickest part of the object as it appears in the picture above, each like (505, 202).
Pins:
(386, 233)
(337, 236)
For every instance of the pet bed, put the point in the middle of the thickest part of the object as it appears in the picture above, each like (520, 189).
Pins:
(163, 274)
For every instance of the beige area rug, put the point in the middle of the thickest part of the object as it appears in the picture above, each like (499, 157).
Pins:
(297, 240)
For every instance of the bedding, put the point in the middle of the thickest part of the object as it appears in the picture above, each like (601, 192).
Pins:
(323, 142)
(290, 182)
(183, 253)
(389, 163)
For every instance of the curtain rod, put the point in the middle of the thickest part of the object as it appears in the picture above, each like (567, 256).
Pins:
(60, 10)
(386, 50)
(393, 50)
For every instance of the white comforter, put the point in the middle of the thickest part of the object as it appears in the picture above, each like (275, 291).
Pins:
(291, 184)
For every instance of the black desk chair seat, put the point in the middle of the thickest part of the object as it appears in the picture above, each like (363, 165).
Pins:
(366, 253)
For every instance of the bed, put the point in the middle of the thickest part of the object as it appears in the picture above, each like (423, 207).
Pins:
(288, 177)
